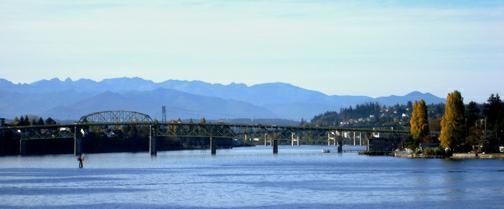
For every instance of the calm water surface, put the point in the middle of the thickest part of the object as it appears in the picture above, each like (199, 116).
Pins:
(299, 177)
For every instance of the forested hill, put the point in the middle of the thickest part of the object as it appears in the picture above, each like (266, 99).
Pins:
(374, 115)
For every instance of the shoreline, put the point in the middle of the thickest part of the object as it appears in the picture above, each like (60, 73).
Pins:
(455, 156)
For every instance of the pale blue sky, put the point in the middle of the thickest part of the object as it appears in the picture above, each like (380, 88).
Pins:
(370, 48)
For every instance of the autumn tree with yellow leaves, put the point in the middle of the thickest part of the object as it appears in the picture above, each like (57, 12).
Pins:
(419, 123)
(453, 122)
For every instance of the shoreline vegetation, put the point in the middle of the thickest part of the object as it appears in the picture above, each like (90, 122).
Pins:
(466, 131)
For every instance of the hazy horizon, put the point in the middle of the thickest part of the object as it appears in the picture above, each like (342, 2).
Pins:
(372, 48)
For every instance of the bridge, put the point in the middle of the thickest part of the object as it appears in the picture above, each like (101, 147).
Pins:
(271, 134)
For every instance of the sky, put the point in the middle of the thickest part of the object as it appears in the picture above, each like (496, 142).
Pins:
(372, 48)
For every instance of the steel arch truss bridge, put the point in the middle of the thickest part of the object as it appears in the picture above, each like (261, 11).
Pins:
(116, 117)
(177, 129)
(108, 120)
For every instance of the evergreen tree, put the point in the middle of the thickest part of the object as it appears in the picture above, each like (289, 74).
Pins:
(493, 110)
(419, 123)
(40, 121)
(472, 114)
(452, 123)
(50, 121)
(494, 114)
(474, 137)
(23, 121)
(27, 120)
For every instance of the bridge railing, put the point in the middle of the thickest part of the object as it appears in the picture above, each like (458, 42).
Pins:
(194, 129)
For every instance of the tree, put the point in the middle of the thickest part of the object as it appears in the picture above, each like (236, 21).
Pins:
(472, 114)
(419, 122)
(50, 121)
(494, 115)
(40, 121)
(16, 121)
(23, 121)
(27, 120)
(493, 110)
(474, 138)
(452, 124)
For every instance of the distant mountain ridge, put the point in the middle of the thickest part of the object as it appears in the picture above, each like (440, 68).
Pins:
(69, 99)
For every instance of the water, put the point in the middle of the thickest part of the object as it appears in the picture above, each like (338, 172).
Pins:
(299, 177)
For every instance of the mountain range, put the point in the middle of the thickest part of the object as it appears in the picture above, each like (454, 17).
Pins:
(69, 99)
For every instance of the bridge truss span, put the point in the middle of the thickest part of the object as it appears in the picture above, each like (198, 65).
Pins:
(108, 117)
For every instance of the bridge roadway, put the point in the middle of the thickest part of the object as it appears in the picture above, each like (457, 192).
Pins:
(77, 130)
(122, 118)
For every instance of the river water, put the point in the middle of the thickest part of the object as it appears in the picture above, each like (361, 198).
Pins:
(298, 177)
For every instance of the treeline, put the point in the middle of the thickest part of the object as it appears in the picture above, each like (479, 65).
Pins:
(375, 115)
(454, 126)
(334, 118)
(472, 127)
(27, 121)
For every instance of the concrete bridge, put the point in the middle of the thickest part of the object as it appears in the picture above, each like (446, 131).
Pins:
(271, 134)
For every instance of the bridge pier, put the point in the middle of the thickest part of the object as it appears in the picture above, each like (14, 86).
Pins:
(275, 146)
(367, 142)
(354, 141)
(22, 147)
(77, 143)
(213, 146)
(340, 144)
(152, 142)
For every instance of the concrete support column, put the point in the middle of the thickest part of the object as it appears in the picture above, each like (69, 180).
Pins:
(77, 142)
(340, 144)
(367, 140)
(213, 146)
(265, 139)
(22, 147)
(292, 139)
(360, 138)
(354, 143)
(336, 137)
(275, 146)
(297, 141)
(152, 141)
